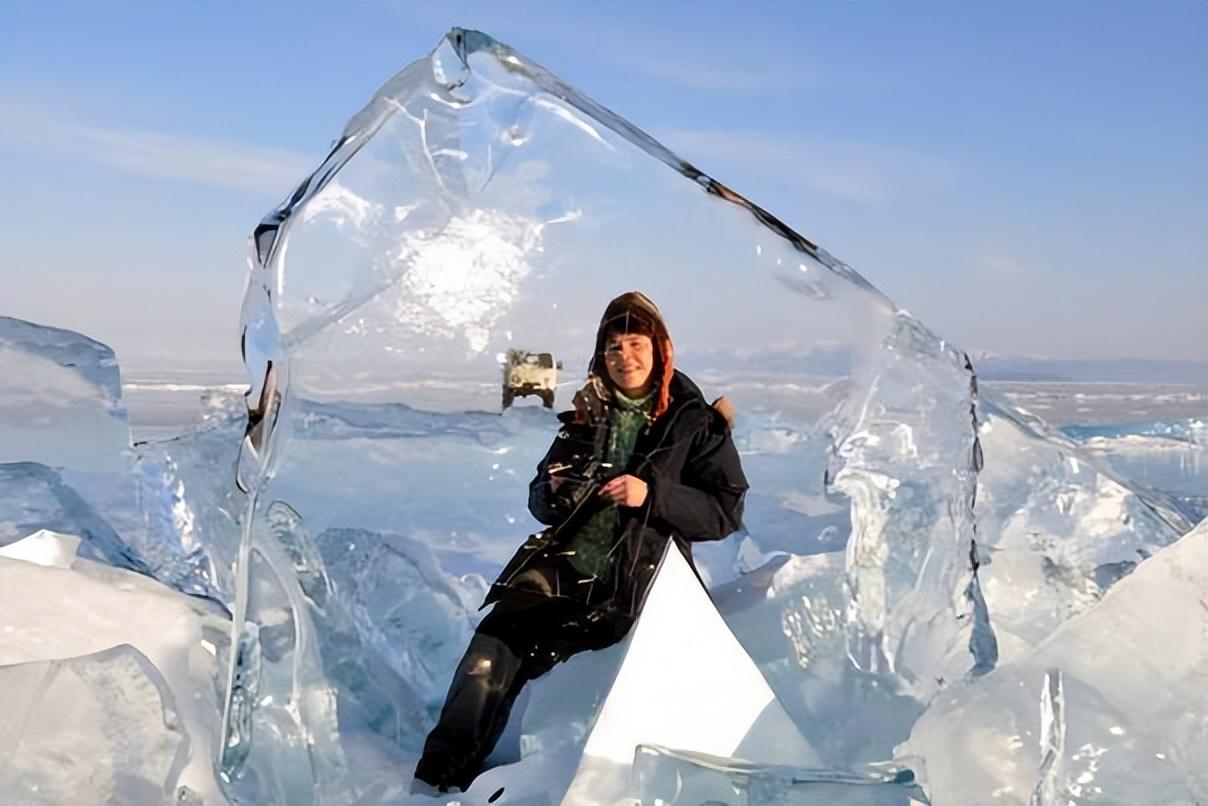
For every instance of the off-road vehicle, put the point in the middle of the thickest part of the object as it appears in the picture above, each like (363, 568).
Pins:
(526, 373)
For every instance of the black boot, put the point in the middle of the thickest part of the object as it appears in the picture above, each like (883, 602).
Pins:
(476, 710)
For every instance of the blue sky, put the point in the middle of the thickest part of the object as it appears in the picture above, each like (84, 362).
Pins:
(1026, 178)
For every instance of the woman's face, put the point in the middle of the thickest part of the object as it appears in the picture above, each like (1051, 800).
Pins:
(630, 361)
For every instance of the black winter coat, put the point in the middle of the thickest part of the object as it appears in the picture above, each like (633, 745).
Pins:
(696, 489)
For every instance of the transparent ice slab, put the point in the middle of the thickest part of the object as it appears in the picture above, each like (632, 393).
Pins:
(403, 607)
(479, 204)
(789, 616)
(100, 728)
(189, 506)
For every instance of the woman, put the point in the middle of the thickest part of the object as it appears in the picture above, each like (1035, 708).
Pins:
(641, 461)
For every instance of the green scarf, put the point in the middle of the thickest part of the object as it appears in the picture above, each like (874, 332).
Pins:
(590, 546)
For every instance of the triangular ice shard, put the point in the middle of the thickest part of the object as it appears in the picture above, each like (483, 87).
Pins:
(684, 682)
(44, 547)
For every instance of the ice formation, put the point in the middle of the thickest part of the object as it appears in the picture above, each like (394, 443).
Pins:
(63, 441)
(66, 408)
(1060, 528)
(478, 204)
(62, 716)
(911, 551)
(1167, 457)
(107, 681)
(1109, 708)
(36, 498)
(188, 504)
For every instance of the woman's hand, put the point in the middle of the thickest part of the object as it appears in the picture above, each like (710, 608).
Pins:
(626, 491)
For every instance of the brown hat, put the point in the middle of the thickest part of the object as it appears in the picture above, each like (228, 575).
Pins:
(634, 312)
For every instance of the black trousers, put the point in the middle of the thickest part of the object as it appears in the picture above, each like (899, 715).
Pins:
(522, 638)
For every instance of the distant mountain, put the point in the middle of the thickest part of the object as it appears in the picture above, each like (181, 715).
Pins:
(838, 360)
(1087, 370)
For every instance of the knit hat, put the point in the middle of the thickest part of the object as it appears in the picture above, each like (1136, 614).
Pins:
(633, 312)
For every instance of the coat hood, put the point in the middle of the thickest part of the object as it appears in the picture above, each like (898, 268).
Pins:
(634, 312)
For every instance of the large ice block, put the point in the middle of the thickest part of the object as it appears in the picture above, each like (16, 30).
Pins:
(1111, 708)
(61, 407)
(1057, 527)
(62, 401)
(789, 616)
(55, 607)
(385, 617)
(403, 606)
(100, 728)
(1055, 531)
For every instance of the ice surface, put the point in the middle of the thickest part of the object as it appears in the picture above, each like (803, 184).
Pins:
(1093, 405)
(1110, 708)
(479, 204)
(1153, 435)
(102, 728)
